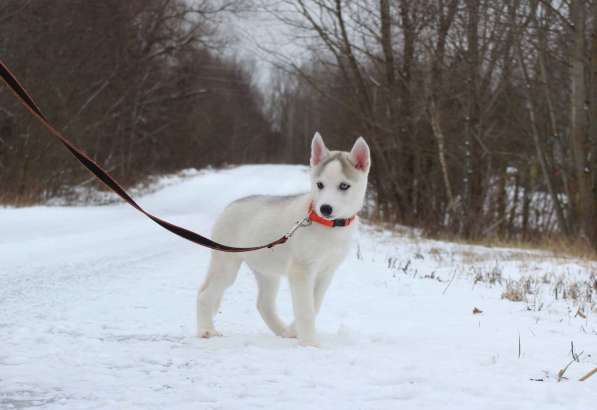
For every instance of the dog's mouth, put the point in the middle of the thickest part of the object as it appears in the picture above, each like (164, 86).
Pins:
(321, 214)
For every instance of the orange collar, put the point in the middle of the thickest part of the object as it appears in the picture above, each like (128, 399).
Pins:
(330, 223)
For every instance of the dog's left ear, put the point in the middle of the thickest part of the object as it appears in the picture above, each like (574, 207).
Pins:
(360, 155)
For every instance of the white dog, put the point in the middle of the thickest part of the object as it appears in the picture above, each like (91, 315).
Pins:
(309, 258)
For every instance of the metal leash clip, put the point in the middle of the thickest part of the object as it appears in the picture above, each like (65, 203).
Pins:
(300, 224)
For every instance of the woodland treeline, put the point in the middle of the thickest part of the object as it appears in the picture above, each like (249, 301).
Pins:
(481, 114)
(141, 85)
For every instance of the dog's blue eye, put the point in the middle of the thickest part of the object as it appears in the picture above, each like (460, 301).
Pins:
(320, 185)
(343, 186)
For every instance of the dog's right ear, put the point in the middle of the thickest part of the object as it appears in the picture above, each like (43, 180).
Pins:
(318, 150)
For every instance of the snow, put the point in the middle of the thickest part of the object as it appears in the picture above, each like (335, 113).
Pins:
(97, 310)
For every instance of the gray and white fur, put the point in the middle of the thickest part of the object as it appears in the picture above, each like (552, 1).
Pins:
(308, 259)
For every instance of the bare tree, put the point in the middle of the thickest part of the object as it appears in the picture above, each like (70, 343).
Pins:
(139, 87)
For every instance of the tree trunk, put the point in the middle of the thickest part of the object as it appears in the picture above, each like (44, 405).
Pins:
(528, 184)
(594, 120)
(472, 172)
(501, 203)
(435, 86)
(583, 199)
(514, 204)
(562, 222)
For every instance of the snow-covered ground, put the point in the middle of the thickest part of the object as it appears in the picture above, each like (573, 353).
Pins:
(97, 309)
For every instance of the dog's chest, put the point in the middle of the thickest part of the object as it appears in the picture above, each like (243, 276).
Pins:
(322, 248)
(325, 241)
(317, 248)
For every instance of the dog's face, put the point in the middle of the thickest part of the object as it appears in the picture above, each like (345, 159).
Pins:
(339, 179)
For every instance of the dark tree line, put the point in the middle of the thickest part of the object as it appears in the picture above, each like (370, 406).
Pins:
(141, 85)
(482, 114)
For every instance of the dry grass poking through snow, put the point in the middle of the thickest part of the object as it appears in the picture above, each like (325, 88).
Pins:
(532, 289)
(534, 274)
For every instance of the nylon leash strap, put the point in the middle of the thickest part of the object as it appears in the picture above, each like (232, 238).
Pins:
(26, 100)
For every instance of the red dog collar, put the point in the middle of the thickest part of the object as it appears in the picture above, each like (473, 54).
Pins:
(331, 223)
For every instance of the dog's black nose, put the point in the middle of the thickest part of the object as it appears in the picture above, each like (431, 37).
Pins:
(326, 210)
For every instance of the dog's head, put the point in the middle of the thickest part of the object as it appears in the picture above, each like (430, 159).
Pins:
(338, 178)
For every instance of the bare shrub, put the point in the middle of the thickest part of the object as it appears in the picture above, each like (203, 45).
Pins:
(514, 292)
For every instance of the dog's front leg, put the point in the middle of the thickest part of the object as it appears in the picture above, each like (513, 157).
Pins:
(301, 280)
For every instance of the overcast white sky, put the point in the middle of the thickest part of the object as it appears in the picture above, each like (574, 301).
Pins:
(257, 31)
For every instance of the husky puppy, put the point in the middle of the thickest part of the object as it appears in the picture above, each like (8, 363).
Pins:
(308, 259)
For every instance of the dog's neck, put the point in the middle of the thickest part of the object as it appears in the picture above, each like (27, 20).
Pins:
(330, 223)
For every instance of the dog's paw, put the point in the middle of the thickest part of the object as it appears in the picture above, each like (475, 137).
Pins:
(309, 342)
(289, 332)
(207, 333)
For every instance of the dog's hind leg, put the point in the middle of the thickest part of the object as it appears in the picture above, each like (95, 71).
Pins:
(266, 302)
(222, 272)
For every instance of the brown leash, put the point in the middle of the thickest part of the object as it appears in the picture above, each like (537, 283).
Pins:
(25, 98)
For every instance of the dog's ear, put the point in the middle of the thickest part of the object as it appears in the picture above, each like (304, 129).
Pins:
(360, 155)
(318, 150)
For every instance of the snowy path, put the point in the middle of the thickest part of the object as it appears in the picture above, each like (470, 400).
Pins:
(97, 311)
